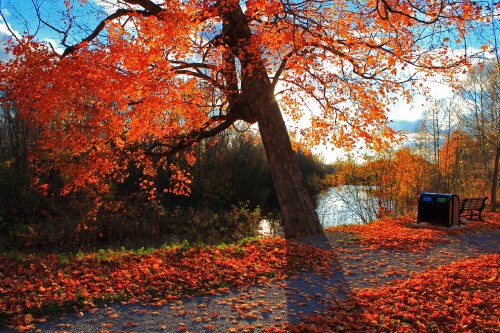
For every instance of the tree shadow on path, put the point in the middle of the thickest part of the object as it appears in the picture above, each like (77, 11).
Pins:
(311, 292)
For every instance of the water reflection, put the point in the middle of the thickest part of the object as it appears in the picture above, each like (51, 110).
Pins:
(265, 228)
(346, 205)
(337, 206)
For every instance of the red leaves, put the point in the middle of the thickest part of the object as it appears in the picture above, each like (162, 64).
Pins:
(28, 284)
(492, 222)
(397, 233)
(394, 233)
(460, 297)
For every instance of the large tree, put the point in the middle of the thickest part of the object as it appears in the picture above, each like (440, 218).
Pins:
(154, 77)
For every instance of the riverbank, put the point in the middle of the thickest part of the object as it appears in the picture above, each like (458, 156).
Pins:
(353, 265)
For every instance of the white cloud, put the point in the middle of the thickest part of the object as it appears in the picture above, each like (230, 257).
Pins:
(5, 33)
(437, 87)
(413, 111)
(55, 45)
(4, 37)
(107, 6)
(329, 153)
(110, 6)
(6, 12)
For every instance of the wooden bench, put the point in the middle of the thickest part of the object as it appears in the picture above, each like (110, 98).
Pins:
(474, 206)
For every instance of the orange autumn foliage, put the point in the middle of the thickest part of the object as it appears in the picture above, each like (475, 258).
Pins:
(398, 178)
(162, 77)
(458, 165)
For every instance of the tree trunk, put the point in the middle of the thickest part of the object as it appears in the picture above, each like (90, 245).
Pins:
(494, 181)
(297, 209)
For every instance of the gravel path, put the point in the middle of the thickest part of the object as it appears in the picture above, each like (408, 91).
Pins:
(252, 308)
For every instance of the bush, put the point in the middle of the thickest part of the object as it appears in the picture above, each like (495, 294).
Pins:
(207, 227)
(134, 224)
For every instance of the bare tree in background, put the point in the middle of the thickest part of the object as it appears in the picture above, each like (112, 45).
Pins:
(481, 115)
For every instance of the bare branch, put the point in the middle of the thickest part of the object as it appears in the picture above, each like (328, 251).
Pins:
(388, 9)
(281, 69)
(40, 19)
(100, 27)
(199, 75)
(8, 27)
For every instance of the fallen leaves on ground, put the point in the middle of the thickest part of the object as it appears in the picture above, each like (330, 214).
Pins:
(491, 221)
(393, 233)
(31, 285)
(460, 297)
(400, 233)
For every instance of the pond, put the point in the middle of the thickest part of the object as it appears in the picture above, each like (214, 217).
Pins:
(340, 205)
(346, 205)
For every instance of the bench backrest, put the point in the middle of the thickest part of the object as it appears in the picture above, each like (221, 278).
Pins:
(473, 203)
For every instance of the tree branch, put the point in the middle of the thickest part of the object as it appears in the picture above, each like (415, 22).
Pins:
(148, 5)
(100, 27)
(388, 9)
(281, 69)
(194, 137)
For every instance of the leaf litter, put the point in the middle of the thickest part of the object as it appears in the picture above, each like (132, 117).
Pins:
(379, 277)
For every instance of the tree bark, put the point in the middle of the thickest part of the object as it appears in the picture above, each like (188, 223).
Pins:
(494, 181)
(298, 215)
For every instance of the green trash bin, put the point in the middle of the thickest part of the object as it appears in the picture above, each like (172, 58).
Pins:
(439, 208)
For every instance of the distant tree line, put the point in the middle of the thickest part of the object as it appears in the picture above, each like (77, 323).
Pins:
(461, 136)
(456, 149)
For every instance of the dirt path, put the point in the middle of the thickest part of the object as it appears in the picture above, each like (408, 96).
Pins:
(253, 308)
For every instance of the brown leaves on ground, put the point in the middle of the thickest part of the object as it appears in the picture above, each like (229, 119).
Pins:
(463, 296)
(398, 233)
(394, 234)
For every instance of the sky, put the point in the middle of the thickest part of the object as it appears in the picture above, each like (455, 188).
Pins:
(403, 116)
(406, 116)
